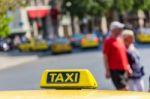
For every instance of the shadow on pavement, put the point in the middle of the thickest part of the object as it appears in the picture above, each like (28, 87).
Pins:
(75, 51)
(18, 53)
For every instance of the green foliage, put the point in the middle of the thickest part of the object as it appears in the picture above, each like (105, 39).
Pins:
(93, 8)
(123, 5)
(6, 5)
(101, 7)
(141, 4)
(76, 8)
(87, 7)
(4, 28)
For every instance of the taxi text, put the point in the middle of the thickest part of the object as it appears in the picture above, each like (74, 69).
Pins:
(63, 77)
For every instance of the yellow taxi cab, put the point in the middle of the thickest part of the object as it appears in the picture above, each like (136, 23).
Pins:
(33, 45)
(143, 35)
(70, 84)
(61, 45)
(89, 41)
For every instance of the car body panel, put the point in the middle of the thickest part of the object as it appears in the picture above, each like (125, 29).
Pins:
(73, 94)
(89, 41)
(61, 46)
(143, 35)
(24, 47)
(76, 40)
(88, 44)
(143, 38)
(40, 46)
(33, 45)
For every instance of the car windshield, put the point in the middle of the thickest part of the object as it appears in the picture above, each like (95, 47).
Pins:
(62, 41)
(144, 30)
(77, 36)
(90, 36)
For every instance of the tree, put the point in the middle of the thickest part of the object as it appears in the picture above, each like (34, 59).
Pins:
(6, 5)
(121, 7)
(76, 8)
(141, 6)
(4, 28)
(125, 6)
(101, 8)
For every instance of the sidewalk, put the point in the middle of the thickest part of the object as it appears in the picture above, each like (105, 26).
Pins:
(12, 61)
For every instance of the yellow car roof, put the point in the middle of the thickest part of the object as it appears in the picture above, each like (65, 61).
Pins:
(72, 94)
(74, 79)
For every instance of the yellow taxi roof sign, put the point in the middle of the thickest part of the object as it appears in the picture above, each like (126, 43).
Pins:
(74, 79)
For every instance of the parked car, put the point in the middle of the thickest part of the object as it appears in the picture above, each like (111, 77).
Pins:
(143, 35)
(33, 45)
(4, 46)
(61, 45)
(50, 42)
(76, 40)
(90, 41)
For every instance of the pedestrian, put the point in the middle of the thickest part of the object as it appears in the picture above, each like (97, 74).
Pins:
(16, 41)
(135, 81)
(115, 58)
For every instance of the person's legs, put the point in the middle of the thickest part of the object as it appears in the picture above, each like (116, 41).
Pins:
(139, 84)
(131, 85)
(124, 89)
(119, 80)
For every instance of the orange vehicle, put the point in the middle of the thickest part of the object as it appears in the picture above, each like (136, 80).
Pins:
(89, 41)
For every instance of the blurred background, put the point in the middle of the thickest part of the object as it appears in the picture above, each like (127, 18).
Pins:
(64, 34)
(63, 18)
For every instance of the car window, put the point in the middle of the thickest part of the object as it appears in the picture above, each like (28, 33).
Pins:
(62, 41)
(77, 36)
(28, 41)
(90, 36)
(145, 31)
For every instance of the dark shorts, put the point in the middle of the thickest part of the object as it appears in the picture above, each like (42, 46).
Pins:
(119, 78)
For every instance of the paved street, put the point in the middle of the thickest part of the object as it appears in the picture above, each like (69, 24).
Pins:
(26, 76)
(9, 61)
